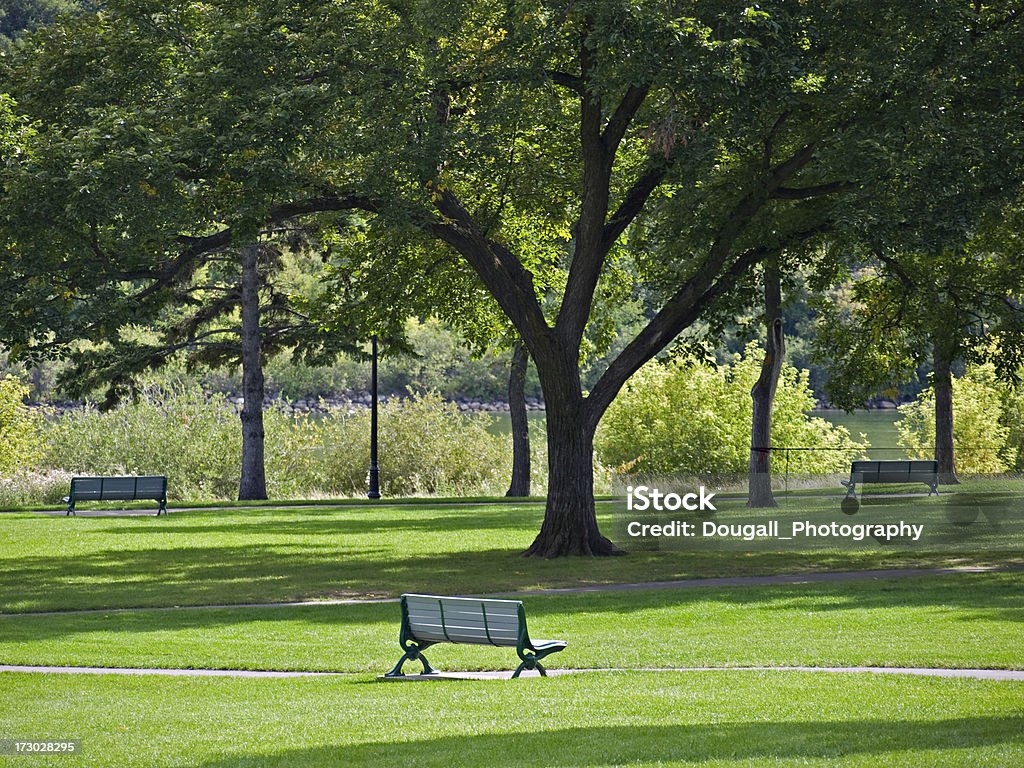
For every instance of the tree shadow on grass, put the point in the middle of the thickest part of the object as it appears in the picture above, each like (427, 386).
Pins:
(301, 569)
(992, 598)
(329, 521)
(619, 745)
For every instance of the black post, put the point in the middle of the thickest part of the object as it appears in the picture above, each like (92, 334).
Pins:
(374, 470)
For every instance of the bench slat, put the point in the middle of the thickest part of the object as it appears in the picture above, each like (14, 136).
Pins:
(465, 618)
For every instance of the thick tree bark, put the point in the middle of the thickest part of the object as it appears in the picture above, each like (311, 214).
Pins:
(942, 384)
(763, 392)
(570, 521)
(253, 484)
(520, 483)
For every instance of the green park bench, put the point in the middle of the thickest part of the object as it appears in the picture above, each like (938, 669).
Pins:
(117, 489)
(431, 619)
(892, 471)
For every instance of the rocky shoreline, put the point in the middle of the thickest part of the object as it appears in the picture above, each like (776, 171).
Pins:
(348, 402)
(355, 401)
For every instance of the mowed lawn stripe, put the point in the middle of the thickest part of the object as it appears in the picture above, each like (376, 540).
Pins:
(261, 555)
(962, 621)
(640, 719)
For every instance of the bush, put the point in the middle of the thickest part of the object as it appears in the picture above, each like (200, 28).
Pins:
(193, 439)
(20, 439)
(1013, 420)
(684, 417)
(982, 439)
(426, 447)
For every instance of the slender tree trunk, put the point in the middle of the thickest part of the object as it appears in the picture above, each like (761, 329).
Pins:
(763, 392)
(942, 384)
(253, 483)
(520, 483)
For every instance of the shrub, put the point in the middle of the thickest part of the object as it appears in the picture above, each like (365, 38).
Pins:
(982, 440)
(20, 439)
(684, 417)
(426, 447)
(1013, 420)
(193, 439)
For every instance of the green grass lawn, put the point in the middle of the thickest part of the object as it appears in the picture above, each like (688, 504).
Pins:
(953, 621)
(641, 718)
(264, 554)
(600, 719)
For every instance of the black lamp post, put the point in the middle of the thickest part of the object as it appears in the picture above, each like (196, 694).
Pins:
(374, 470)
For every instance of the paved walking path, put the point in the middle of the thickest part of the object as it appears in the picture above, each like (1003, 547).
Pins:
(978, 674)
(725, 581)
(1016, 675)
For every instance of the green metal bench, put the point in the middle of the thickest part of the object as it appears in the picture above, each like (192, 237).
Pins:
(431, 619)
(117, 489)
(893, 471)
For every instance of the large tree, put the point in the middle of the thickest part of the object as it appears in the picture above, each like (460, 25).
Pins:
(539, 141)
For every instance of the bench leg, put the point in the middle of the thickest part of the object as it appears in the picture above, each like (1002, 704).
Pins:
(530, 662)
(71, 510)
(412, 655)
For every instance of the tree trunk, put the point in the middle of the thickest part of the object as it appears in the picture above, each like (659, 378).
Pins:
(253, 484)
(942, 384)
(763, 393)
(570, 521)
(520, 483)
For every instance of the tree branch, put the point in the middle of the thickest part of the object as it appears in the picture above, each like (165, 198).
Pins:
(634, 201)
(623, 116)
(681, 311)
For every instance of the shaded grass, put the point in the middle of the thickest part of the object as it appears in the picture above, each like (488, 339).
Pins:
(266, 554)
(952, 621)
(642, 719)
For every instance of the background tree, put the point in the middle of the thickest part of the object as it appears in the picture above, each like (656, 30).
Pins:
(763, 392)
(945, 309)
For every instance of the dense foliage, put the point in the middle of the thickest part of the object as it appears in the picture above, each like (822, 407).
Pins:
(426, 447)
(683, 417)
(20, 442)
(987, 430)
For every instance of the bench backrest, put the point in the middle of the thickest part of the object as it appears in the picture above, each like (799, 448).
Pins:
(118, 488)
(893, 471)
(437, 619)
